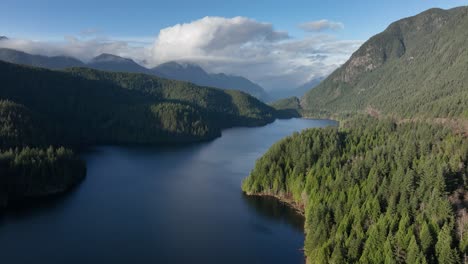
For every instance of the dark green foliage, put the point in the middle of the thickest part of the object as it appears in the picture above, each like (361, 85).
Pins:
(225, 108)
(373, 191)
(89, 106)
(41, 108)
(416, 67)
(33, 172)
(18, 127)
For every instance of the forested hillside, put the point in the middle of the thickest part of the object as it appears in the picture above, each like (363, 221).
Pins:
(89, 106)
(288, 107)
(228, 107)
(415, 68)
(28, 168)
(373, 191)
(40, 108)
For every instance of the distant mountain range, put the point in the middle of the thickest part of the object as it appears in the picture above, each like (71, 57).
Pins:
(194, 73)
(56, 62)
(170, 70)
(296, 92)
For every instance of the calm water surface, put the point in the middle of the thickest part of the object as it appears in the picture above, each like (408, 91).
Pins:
(163, 205)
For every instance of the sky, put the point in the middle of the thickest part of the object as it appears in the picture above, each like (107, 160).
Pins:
(278, 44)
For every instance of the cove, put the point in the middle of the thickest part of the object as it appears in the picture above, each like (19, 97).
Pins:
(163, 205)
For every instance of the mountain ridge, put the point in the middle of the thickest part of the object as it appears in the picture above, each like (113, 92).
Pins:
(416, 67)
(171, 70)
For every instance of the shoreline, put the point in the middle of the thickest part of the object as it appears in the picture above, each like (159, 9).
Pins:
(298, 208)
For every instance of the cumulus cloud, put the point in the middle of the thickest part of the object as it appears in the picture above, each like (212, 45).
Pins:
(239, 45)
(212, 36)
(321, 25)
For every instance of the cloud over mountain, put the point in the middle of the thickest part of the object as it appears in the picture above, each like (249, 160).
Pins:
(81, 48)
(238, 45)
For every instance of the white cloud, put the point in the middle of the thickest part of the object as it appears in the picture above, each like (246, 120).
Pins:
(239, 45)
(84, 49)
(321, 25)
(212, 37)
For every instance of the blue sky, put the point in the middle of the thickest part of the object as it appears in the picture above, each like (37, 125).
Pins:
(132, 29)
(56, 18)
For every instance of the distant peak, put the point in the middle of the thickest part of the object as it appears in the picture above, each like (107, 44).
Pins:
(106, 57)
(3, 38)
(189, 65)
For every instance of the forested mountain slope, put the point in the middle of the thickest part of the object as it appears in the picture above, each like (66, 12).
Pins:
(113, 63)
(417, 67)
(41, 108)
(92, 106)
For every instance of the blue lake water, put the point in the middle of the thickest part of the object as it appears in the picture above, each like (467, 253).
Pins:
(163, 205)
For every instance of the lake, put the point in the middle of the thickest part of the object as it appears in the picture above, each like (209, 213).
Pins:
(163, 205)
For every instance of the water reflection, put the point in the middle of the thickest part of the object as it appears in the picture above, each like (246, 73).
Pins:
(274, 209)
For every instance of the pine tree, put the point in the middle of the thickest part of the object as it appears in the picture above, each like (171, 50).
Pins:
(444, 251)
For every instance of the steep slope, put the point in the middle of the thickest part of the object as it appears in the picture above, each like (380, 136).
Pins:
(109, 62)
(304, 88)
(416, 67)
(57, 62)
(194, 73)
(383, 190)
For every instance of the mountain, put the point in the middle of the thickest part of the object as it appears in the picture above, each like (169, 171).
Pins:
(194, 73)
(40, 108)
(304, 88)
(390, 187)
(56, 62)
(91, 106)
(296, 92)
(109, 62)
(416, 67)
(3, 38)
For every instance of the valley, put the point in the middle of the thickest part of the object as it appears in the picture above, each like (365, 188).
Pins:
(155, 159)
